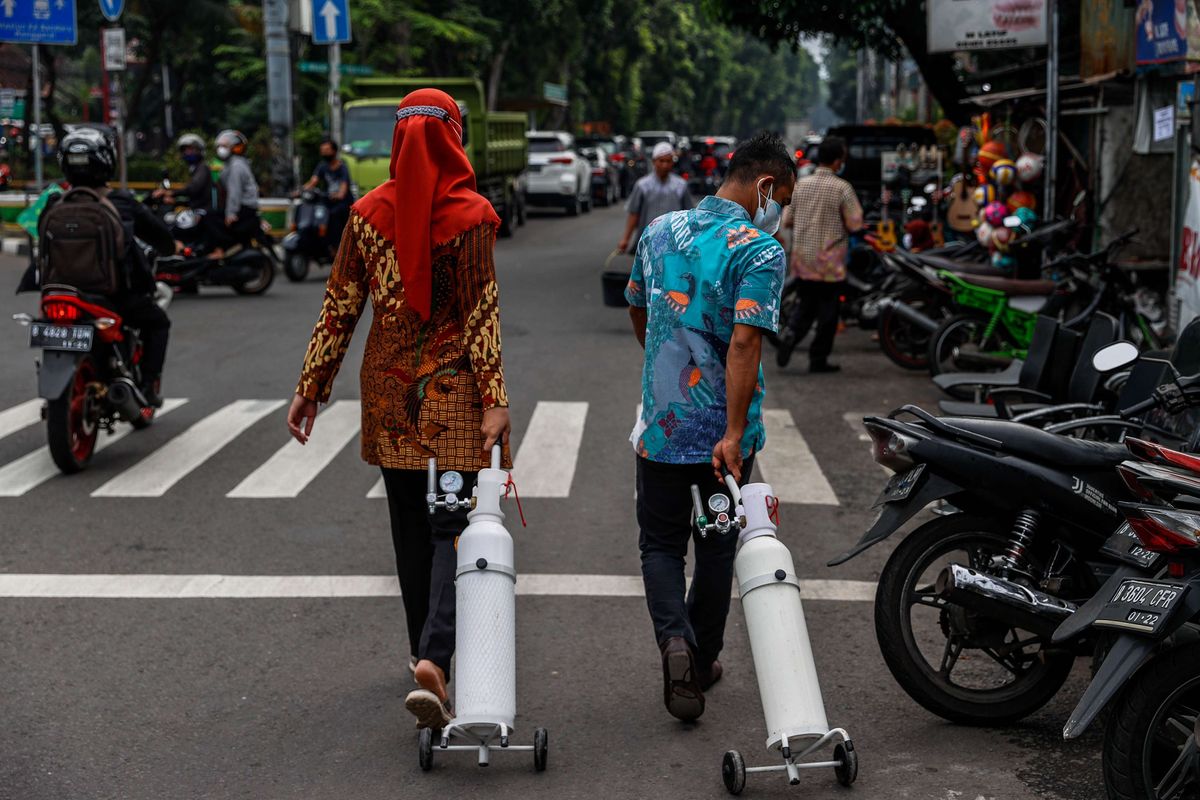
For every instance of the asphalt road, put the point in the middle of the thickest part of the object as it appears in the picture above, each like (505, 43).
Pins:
(302, 697)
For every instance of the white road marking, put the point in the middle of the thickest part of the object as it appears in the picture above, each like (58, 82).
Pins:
(35, 468)
(166, 466)
(789, 466)
(294, 466)
(545, 463)
(378, 490)
(156, 587)
(20, 416)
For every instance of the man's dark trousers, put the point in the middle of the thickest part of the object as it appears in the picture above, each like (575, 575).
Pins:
(664, 512)
(820, 302)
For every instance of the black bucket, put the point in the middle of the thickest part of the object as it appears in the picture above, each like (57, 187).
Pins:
(614, 282)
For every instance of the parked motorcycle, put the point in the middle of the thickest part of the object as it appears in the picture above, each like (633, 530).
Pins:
(89, 372)
(308, 240)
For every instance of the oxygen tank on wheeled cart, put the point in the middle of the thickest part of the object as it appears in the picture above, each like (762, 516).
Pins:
(793, 708)
(485, 679)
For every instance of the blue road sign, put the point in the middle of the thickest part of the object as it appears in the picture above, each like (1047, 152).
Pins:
(331, 21)
(38, 21)
(111, 9)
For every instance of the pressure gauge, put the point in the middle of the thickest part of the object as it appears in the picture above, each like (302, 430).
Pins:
(718, 504)
(451, 482)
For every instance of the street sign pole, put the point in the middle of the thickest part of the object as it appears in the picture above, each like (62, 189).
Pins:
(36, 137)
(279, 92)
(335, 96)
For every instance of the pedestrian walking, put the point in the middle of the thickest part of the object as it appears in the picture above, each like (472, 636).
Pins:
(420, 247)
(653, 195)
(704, 288)
(825, 211)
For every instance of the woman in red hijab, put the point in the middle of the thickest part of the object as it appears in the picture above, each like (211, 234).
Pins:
(420, 247)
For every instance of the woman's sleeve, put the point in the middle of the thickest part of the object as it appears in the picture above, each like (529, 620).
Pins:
(479, 314)
(345, 294)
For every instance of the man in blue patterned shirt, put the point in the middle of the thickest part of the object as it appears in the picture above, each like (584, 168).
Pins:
(705, 286)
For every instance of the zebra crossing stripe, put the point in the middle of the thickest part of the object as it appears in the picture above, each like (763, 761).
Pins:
(20, 416)
(377, 491)
(545, 463)
(789, 465)
(294, 466)
(35, 468)
(246, 587)
(166, 466)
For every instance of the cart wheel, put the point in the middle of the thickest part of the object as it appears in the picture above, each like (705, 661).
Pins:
(425, 749)
(541, 746)
(847, 771)
(733, 771)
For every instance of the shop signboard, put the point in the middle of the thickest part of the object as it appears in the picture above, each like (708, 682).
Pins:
(1187, 279)
(985, 24)
(1166, 31)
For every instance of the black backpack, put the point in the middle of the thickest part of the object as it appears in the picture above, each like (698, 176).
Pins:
(81, 243)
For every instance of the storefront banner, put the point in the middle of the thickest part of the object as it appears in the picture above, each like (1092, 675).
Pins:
(1162, 28)
(985, 24)
(1187, 282)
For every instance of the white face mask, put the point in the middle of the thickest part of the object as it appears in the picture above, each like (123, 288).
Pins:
(223, 152)
(769, 212)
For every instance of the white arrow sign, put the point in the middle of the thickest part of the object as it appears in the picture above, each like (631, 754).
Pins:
(330, 13)
(9, 7)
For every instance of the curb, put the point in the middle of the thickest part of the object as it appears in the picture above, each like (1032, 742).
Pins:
(12, 246)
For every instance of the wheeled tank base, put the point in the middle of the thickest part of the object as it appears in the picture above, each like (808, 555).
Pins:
(844, 763)
(482, 739)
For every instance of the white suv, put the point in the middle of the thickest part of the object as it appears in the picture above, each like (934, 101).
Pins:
(557, 175)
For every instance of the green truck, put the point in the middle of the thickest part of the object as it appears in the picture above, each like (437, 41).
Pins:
(495, 141)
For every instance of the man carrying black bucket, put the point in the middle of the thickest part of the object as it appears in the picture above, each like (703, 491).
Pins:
(705, 286)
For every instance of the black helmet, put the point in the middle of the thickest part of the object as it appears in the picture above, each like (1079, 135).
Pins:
(87, 157)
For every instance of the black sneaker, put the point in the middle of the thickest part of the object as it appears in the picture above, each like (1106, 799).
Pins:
(784, 348)
(682, 694)
(150, 392)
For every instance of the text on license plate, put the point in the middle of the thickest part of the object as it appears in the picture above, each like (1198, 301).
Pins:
(1145, 595)
(77, 338)
(1143, 606)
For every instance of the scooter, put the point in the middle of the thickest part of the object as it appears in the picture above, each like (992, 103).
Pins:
(485, 687)
(308, 240)
(793, 708)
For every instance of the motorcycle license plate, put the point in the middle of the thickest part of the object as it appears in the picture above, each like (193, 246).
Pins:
(900, 486)
(1124, 546)
(1142, 606)
(75, 338)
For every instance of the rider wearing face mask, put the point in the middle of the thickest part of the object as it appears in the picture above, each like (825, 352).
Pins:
(198, 193)
(826, 211)
(705, 286)
(236, 220)
(335, 175)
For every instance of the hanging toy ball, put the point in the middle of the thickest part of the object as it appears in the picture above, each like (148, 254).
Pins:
(1027, 216)
(990, 153)
(1001, 238)
(994, 214)
(1022, 199)
(1030, 166)
(984, 234)
(984, 193)
(1003, 172)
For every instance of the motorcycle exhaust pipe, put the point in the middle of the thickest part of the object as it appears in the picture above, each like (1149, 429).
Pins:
(126, 399)
(996, 597)
(908, 314)
(968, 357)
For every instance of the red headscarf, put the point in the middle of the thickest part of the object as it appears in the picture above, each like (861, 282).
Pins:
(431, 196)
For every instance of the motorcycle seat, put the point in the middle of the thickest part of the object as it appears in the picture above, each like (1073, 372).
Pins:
(1036, 444)
(1014, 287)
(955, 266)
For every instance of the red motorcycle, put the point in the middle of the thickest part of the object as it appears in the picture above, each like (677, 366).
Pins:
(89, 372)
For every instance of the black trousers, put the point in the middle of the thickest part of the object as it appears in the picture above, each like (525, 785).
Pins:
(664, 512)
(141, 312)
(820, 302)
(241, 231)
(425, 563)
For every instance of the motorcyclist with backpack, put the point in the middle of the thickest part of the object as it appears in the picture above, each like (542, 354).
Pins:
(236, 221)
(87, 241)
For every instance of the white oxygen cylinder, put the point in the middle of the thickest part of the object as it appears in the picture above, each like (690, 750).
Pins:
(770, 591)
(485, 680)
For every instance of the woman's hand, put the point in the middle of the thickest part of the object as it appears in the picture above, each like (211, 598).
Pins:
(301, 417)
(496, 428)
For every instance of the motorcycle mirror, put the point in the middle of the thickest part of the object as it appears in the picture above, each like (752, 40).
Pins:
(1114, 356)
